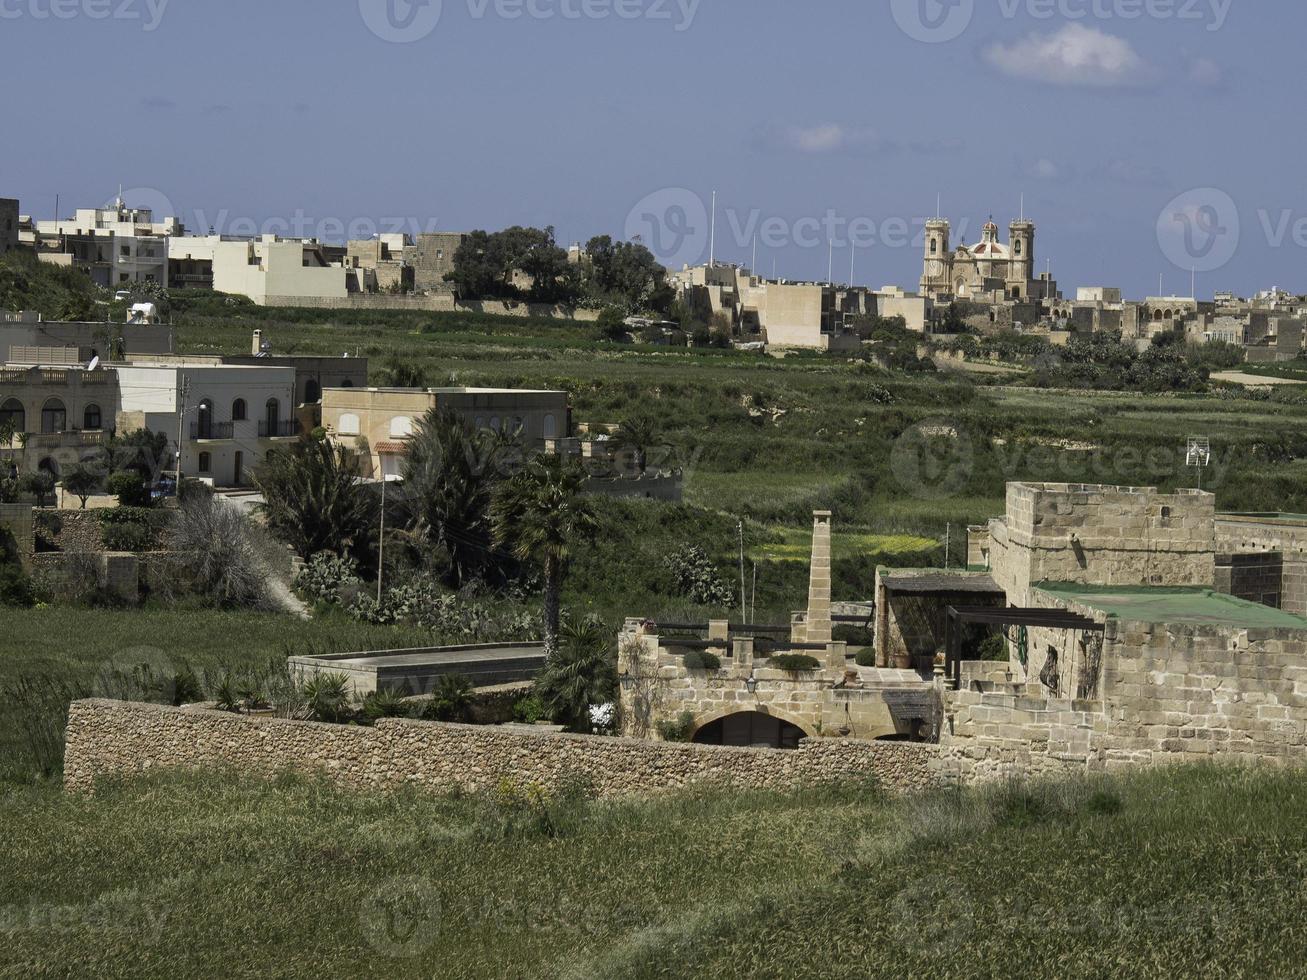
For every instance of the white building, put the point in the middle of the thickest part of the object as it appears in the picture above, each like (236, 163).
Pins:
(117, 245)
(269, 270)
(228, 416)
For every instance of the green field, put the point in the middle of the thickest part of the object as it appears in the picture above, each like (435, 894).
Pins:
(53, 654)
(1177, 872)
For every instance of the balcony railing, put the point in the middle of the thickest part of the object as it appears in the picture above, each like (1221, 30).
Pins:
(279, 430)
(211, 431)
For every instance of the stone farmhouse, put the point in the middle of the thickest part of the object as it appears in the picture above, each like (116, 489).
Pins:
(1096, 627)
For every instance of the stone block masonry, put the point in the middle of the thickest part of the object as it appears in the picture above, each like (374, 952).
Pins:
(108, 739)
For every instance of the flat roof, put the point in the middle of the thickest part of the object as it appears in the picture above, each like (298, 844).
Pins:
(1160, 604)
(941, 583)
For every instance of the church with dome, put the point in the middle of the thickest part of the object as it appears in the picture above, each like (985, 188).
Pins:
(989, 271)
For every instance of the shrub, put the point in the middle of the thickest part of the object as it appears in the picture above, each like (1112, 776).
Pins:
(529, 710)
(867, 658)
(581, 674)
(795, 663)
(16, 588)
(994, 648)
(323, 578)
(39, 484)
(327, 698)
(218, 555)
(130, 489)
(451, 700)
(679, 730)
(695, 578)
(384, 704)
(611, 324)
(126, 537)
(702, 660)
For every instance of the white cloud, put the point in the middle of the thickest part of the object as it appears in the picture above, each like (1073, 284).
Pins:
(825, 138)
(1206, 73)
(831, 138)
(1075, 55)
(1044, 169)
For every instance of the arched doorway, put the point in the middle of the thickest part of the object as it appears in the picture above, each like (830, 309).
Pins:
(312, 392)
(272, 417)
(751, 729)
(204, 423)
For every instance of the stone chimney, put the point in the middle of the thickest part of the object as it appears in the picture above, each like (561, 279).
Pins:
(819, 622)
(258, 343)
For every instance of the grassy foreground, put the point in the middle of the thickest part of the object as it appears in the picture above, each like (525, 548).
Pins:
(1189, 872)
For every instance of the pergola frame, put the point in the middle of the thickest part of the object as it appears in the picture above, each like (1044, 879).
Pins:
(959, 616)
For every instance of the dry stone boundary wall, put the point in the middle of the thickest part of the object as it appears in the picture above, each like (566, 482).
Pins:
(118, 739)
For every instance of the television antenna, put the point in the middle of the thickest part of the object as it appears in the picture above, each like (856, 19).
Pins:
(1199, 456)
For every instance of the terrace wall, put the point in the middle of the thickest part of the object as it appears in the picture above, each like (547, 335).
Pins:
(118, 739)
(1252, 534)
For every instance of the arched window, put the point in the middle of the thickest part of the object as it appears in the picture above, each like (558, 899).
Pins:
(518, 426)
(349, 425)
(1017, 246)
(204, 422)
(54, 417)
(13, 414)
(934, 246)
(551, 427)
(312, 392)
(49, 465)
(481, 423)
(273, 415)
(401, 427)
(206, 463)
(239, 411)
(91, 420)
(494, 423)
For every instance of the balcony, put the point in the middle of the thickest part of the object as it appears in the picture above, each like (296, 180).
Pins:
(211, 431)
(269, 429)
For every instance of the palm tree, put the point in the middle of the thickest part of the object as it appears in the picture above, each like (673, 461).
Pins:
(313, 500)
(450, 474)
(540, 514)
(582, 675)
(640, 433)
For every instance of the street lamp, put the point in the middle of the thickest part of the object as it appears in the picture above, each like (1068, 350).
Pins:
(751, 685)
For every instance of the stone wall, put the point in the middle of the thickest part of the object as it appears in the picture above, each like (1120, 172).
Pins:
(1250, 534)
(435, 303)
(80, 530)
(1102, 536)
(1168, 693)
(114, 739)
(1255, 577)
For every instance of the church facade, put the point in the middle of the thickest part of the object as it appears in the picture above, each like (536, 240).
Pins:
(989, 271)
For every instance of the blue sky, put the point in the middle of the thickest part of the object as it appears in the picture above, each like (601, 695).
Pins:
(555, 112)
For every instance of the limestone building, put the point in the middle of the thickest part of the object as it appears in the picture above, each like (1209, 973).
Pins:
(381, 421)
(987, 269)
